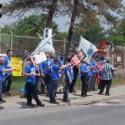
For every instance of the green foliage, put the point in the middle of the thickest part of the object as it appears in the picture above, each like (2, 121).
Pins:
(61, 35)
(118, 37)
(94, 34)
(29, 26)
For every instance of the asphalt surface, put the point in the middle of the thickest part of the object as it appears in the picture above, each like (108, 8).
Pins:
(104, 113)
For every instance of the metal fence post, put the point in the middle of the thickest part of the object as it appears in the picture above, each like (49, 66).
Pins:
(11, 44)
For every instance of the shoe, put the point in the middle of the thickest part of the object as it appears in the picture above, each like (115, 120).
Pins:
(100, 93)
(54, 102)
(41, 105)
(31, 105)
(1, 107)
(107, 94)
(84, 95)
(66, 100)
(3, 101)
(23, 96)
(8, 94)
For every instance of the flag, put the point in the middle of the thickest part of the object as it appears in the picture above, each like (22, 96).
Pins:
(46, 45)
(88, 48)
(17, 63)
(102, 45)
(40, 58)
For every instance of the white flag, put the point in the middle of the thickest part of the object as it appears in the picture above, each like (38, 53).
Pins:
(40, 58)
(46, 45)
(88, 48)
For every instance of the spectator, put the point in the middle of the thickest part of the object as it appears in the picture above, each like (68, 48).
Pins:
(106, 77)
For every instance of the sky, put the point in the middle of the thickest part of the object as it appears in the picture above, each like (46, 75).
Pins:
(61, 21)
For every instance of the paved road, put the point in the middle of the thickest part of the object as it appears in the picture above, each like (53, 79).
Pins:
(98, 114)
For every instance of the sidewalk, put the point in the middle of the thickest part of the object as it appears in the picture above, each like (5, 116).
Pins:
(76, 99)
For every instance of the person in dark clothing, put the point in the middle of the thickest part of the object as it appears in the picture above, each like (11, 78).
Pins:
(45, 68)
(54, 81)
(84, 71)
(106, 78)
(8, 75)
(31, 86)
(68, 78)
(75, 63)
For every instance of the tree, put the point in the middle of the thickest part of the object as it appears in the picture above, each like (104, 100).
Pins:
(94, 34)
(77, 9)
(118, 36)
(86, 11)
(28, 27)
(24, 5)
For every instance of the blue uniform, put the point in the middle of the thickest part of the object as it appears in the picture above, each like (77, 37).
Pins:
(2, 74)
(31, 86)
(8, 75)
(92, 75)
(2, 77)
(84, 71)
(7, 63)
(68, 77)
(54, 82)
(30, 68)
(45, 66)
(55, 72)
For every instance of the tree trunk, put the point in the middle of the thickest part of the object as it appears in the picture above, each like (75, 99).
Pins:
(72, 22)
(51, 13)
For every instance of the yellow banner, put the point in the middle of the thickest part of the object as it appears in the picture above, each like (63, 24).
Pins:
(17, 64)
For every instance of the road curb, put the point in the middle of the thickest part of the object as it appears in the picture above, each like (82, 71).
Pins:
(92, 101)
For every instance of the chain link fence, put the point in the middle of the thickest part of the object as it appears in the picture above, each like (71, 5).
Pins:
(23, 45)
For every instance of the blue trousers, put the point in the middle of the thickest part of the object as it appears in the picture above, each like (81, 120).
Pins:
(52, 90)
(66, 90)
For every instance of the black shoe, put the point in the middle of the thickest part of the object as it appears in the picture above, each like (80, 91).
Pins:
(54, 102)
(41, 105)
(3, 101)
(1, 107)
(107, 94)
(31, 105)
(100, 93)
(66, 100)
(23, 96)
(84, 95)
